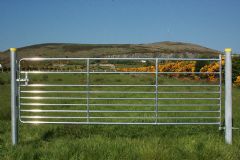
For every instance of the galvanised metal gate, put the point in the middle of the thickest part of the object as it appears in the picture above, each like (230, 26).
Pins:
(117, 91)
(118, 97)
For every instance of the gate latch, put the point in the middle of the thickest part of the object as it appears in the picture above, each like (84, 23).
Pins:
(26, 80)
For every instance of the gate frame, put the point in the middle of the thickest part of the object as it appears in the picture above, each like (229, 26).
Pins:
(228, 95)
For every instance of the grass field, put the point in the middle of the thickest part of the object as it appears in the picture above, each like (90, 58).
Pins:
(39, 141)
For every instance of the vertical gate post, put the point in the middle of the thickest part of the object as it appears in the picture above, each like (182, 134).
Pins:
(14, 110)
(228, 96)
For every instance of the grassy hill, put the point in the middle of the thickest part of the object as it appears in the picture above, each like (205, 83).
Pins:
(167, 49)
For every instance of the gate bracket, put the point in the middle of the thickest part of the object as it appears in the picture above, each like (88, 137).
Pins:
(233, 128)
(26, 80)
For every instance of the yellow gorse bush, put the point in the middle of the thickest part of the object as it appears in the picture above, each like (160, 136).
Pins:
(237, 81)
(183, 66)
(213, 67)
(179, 66)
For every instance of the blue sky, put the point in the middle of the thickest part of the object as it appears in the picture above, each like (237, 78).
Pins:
(211, 23)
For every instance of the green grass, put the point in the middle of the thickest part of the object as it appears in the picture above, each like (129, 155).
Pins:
(114, 141)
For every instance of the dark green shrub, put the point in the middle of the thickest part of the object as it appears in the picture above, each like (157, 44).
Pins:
(200, 64)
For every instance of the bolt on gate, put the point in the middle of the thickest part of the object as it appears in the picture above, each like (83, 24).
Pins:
(117, 91)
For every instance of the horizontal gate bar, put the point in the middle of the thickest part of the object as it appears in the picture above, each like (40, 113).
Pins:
(79, 85)
(110, 98)
(125, 92)
(95, 85)
(150, 105)
(117, 92)
(63, 117)
(188, 105)
(84, 98)
(125, 123)
(70, 72)
(165, 59)
(195, 85)
(114, 111)
(44, 104)
(97, 72)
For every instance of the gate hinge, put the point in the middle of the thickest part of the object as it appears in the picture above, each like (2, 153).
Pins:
(223, 128)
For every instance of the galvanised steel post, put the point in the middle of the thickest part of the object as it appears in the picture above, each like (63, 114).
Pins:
(228, 96)
(14, 110)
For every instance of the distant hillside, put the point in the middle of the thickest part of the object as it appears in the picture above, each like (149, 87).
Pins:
(161, 49)
(180, 47)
